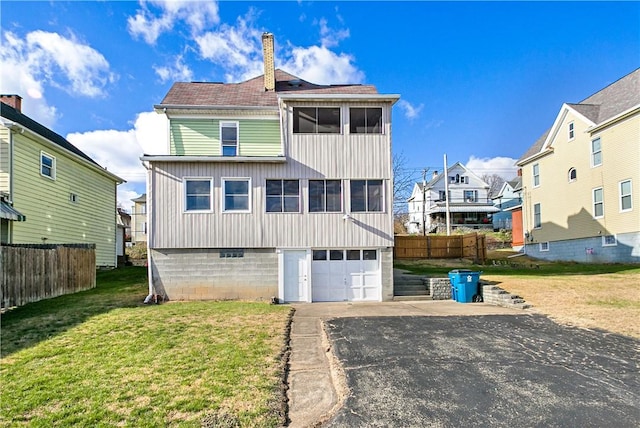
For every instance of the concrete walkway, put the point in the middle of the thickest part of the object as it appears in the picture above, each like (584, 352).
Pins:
(316, 384)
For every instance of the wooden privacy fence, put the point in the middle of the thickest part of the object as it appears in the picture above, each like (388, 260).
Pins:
(29, 273)
(470, 246)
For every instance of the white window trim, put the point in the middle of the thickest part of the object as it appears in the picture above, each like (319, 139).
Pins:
(533, 174)
(53, 165)
(571, 129)
(620, 195)
(572, 180)
(604, 244)
(593, 202)
(591, 153)
(249, 190)
(543, 246)
(184, 199)
(343, 196)
(534, 215)
(299, 196)
(228, 123)
(366, 202)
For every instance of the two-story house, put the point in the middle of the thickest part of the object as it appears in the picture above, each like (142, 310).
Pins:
(505, 200)
(57, 193)
(139, 220)
(460, 192)
(274, 187)
(580, 180)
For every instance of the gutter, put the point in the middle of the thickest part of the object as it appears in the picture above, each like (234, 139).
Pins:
(149, 297)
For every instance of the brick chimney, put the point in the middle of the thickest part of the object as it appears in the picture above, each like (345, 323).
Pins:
(269, 62)
(14, 101)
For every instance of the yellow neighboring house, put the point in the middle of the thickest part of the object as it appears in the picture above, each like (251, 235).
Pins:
(580, 180)
(139, 220)
(51, 192)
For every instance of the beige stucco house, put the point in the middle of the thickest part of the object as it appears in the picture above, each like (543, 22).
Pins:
(581, 180)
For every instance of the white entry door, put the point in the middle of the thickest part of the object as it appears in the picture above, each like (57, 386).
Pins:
(294, 276)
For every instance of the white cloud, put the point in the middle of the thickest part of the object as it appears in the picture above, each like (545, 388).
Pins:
(410, 111)
(178, 71)
(127, 192)
(43, 58)
(502, 166)
(318, 64)
(120, 151)
(150, 24)
(331, 38)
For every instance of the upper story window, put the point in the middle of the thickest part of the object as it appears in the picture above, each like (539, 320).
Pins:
(198, 194)
(471, 196)
(236, 194)
(229, 138)
(366, 195)
(571, 131)
(625, 196)
(47, 165)
(596, 152)
(536, 175)
(325, 196)
(283, 196)
(598, 202)
(365, 120)
(573, 175)
(537, 216)
(316, 120)
(442, 195)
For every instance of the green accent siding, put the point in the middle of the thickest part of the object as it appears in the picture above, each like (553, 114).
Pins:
(47, 206)
(201, 137)
(5, 157)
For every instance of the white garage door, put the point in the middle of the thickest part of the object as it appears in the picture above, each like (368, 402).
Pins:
(345, 275)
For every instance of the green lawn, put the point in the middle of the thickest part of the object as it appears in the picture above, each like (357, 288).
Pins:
(102, 358)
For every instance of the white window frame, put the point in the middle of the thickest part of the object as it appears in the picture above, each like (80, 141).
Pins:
(249, 192)
(184, 187)
(572, 130)
(543, 246)
(537, 225)
(324, 210)
(594, 153)
(535, 172)
(609, 244)
(366, 196)
(230, 124)
(629, 195)
(73, 198)
(569, 178)
(52, 167)
(594, 202)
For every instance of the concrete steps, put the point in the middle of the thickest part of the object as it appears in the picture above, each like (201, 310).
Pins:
(497, 296)
(411, 286)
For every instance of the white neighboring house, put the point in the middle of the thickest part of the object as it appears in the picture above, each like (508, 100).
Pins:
(469, 203)
(505, 200)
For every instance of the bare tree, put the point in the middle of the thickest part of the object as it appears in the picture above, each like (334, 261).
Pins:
(495, 183)
(403, 181)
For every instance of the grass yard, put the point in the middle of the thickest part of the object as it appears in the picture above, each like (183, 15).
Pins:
(102, 358)
(604, 296)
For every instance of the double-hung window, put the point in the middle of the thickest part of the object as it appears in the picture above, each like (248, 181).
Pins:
(316, 120)
(571, 131)
(236, 195)
(365, 120)
(537, 216)
(366, 196)
(596, 152)
(325, 196)
(598, 202)
(198, 196)
(283, 196)
(536, 175)
(229, 138)
(625, 196)
(47, 165)
(471, 196)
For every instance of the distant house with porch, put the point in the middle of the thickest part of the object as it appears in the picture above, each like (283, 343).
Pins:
(469, 204)
(506, 199)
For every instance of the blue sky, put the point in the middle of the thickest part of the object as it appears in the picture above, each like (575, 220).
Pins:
(479, 81)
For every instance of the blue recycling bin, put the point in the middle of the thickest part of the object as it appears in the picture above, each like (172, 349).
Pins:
(464, 285)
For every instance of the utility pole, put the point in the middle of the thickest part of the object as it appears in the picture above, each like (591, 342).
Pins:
(424, 201)
(446, 192)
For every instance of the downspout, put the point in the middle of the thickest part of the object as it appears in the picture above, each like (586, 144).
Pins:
(149, 297)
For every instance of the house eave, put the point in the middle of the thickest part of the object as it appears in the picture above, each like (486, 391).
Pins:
(537, 156)
(390, 98)
(217, 159)
(163, 108)
(625, 114)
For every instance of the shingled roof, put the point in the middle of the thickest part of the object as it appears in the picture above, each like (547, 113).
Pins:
(14, 115)
(251, 93)
(602, 106)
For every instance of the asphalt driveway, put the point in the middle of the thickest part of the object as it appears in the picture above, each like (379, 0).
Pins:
(493, 370)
